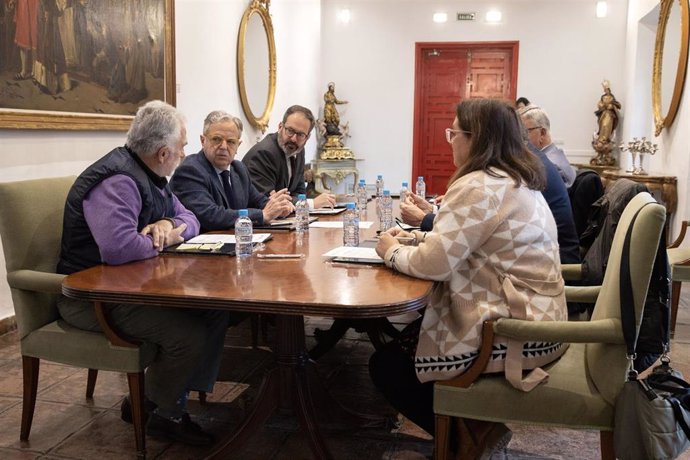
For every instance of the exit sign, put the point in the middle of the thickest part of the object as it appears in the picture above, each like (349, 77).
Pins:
(466, 16)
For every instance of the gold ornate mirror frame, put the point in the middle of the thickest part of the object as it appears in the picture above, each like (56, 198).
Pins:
(661, 120)
(259, 7)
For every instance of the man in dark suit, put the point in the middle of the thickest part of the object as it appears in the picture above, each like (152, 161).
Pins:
(277, 161)
(214, 186)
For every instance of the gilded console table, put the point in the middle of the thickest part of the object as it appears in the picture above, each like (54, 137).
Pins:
(337, 170)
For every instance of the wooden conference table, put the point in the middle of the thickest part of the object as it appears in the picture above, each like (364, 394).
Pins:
(288, 288)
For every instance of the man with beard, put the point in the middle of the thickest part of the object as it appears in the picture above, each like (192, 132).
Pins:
(277, 162)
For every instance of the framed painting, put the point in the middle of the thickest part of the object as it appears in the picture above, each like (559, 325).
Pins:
(84, 64)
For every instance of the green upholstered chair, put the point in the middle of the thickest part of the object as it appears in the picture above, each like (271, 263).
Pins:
(679, 260)
(31, 230)
(583, 384)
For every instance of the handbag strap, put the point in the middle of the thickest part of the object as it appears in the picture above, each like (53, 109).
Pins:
(626, 293)
(627, 303)
(680, 415)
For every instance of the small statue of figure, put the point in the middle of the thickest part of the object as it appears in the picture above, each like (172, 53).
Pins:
(330, 113)
(330, 129)
(607, 119)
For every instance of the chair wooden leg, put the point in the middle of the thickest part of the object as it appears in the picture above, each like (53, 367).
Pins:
(606, 441)
(30, 368)
(136, 396)
(202, 397)
(442, 437)
(675, 298)
(91, 383)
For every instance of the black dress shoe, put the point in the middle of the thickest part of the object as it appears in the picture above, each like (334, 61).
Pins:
(184, 430)
(126, 409)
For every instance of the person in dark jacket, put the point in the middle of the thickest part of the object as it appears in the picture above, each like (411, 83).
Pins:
(121, 209)
(215, 186)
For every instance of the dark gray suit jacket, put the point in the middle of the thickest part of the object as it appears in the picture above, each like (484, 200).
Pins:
(268, 167)
(198, 187)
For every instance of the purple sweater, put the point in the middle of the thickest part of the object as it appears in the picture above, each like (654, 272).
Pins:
(112, 209)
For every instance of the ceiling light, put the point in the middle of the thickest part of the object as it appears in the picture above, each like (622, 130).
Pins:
(440, 17)
(602, 9)
(493, 16)
(344, 16)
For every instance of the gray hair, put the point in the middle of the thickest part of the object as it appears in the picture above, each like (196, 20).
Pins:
(536, 114)
(155, 125)
(218, 116)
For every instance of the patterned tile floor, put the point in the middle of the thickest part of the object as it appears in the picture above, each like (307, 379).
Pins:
(67, 426)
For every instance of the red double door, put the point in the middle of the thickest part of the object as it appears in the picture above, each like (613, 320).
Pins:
(445, 74)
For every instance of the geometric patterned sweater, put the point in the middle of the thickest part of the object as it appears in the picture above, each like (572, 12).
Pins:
(493, 253)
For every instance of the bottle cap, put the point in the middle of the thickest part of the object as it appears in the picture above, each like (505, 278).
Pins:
(379, 177)
(301, 197)
(404, 184)
(386, 192)
(243, 213)
(361, 181)
(350, 205)
(420, 178)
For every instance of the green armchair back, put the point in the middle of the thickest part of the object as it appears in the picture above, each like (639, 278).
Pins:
(31, 215)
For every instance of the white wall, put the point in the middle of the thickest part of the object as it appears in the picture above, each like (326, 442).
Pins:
(565, 53)
(673, 157)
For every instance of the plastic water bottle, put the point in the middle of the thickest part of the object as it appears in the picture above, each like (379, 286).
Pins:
(243, 234)
(420, 189)
(379, 186)
(302, 214)
(350, 226)
(361, 196)
(386, 221)
(403, 190)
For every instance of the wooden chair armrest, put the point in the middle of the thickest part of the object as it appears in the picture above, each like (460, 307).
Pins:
(571, 272)
(32, 280)
(681, 236)
(111, 333)
(600, 331)
(465, 379)
(585, 294)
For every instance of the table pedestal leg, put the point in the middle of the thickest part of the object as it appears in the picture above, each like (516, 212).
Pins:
(285, 387)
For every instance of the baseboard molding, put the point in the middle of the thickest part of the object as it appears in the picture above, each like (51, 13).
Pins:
(8, 324)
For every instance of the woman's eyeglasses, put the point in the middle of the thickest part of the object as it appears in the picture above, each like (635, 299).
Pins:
(451, 133)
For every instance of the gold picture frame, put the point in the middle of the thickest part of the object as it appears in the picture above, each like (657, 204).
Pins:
(664, 116)
(112, 66)
(258, 9)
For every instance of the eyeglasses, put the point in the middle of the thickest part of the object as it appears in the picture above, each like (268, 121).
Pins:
(534, 127)
(291, 132)
(451, 133)
(217, 141)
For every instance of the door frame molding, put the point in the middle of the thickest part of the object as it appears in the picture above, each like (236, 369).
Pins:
(421, 47)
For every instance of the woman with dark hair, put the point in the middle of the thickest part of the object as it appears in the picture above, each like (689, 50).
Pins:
(493, 253)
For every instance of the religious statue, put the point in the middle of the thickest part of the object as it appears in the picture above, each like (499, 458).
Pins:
(329, 128)
(607, 119)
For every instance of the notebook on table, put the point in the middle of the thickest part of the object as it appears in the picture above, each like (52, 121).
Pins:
(213, 244)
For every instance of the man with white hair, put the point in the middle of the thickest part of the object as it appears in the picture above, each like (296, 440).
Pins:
(536, 122)
(121, 209)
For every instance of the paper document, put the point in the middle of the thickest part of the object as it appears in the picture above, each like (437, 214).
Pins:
(337, 224)
(223, 238)
(354, 254)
